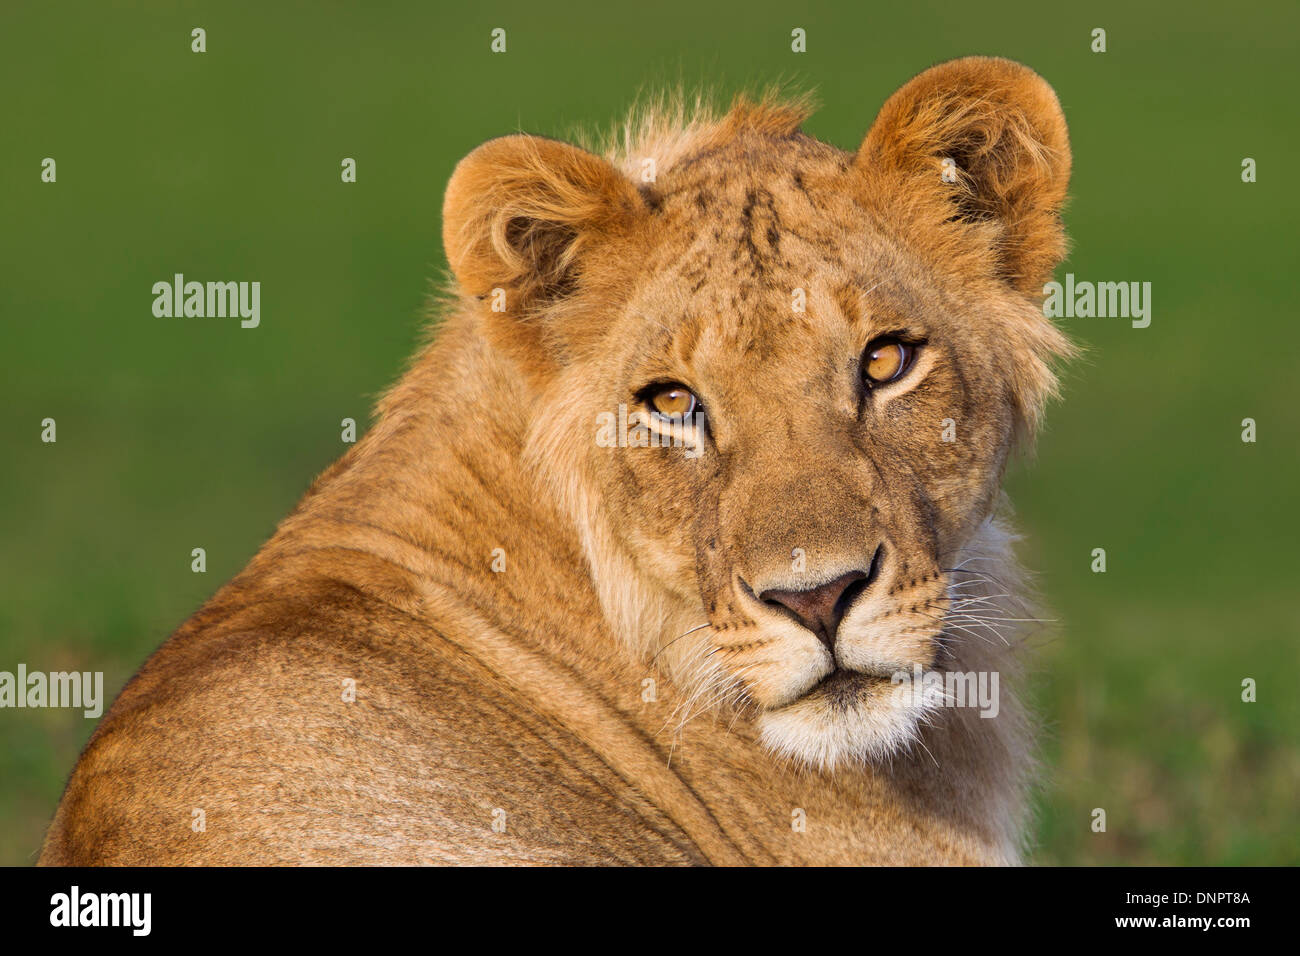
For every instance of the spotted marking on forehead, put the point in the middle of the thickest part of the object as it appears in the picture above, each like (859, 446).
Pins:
(758, 233)
(748, 223)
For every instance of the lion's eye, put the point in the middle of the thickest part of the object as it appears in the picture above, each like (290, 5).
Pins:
(674, 402)
(886, 359)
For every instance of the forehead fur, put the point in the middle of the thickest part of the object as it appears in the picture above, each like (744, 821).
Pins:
(673, 127)
(752, 204)
(728, 212)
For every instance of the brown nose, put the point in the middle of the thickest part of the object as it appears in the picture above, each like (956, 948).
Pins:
(820, 609)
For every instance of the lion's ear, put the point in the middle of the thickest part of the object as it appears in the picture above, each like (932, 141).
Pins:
(520, 212)
(978, 145)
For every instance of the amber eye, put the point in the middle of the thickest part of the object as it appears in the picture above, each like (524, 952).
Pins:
(674, 402)
(886, 359)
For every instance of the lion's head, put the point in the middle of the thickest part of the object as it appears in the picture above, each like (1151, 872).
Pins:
(776, 383)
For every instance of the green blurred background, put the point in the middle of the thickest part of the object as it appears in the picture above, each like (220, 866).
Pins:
(225, 165)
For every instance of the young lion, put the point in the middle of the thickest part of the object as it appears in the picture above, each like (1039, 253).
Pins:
(677, 546)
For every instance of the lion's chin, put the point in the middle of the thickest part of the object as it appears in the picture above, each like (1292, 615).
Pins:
(847, 719)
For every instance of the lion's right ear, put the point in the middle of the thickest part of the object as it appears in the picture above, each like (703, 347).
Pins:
(521, 211)
(976, 152)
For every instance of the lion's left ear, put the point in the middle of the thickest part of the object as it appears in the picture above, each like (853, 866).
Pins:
(980, 145)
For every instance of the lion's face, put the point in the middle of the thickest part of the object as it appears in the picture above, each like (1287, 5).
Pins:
(811, 510)
(778, 408)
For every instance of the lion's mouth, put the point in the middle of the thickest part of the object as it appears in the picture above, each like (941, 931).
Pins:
(845, 687)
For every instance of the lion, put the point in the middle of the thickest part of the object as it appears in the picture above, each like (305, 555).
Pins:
(673, 545)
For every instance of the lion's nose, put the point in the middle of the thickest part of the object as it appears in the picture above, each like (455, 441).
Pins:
(821, 609)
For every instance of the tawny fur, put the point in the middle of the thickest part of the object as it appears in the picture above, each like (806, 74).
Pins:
(526, 689)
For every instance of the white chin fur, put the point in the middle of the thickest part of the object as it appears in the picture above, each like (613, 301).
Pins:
(824, 736)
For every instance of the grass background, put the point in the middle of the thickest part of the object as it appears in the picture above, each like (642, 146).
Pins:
(225, 165)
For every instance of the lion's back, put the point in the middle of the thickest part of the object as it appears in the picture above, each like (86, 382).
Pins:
(350, 735)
